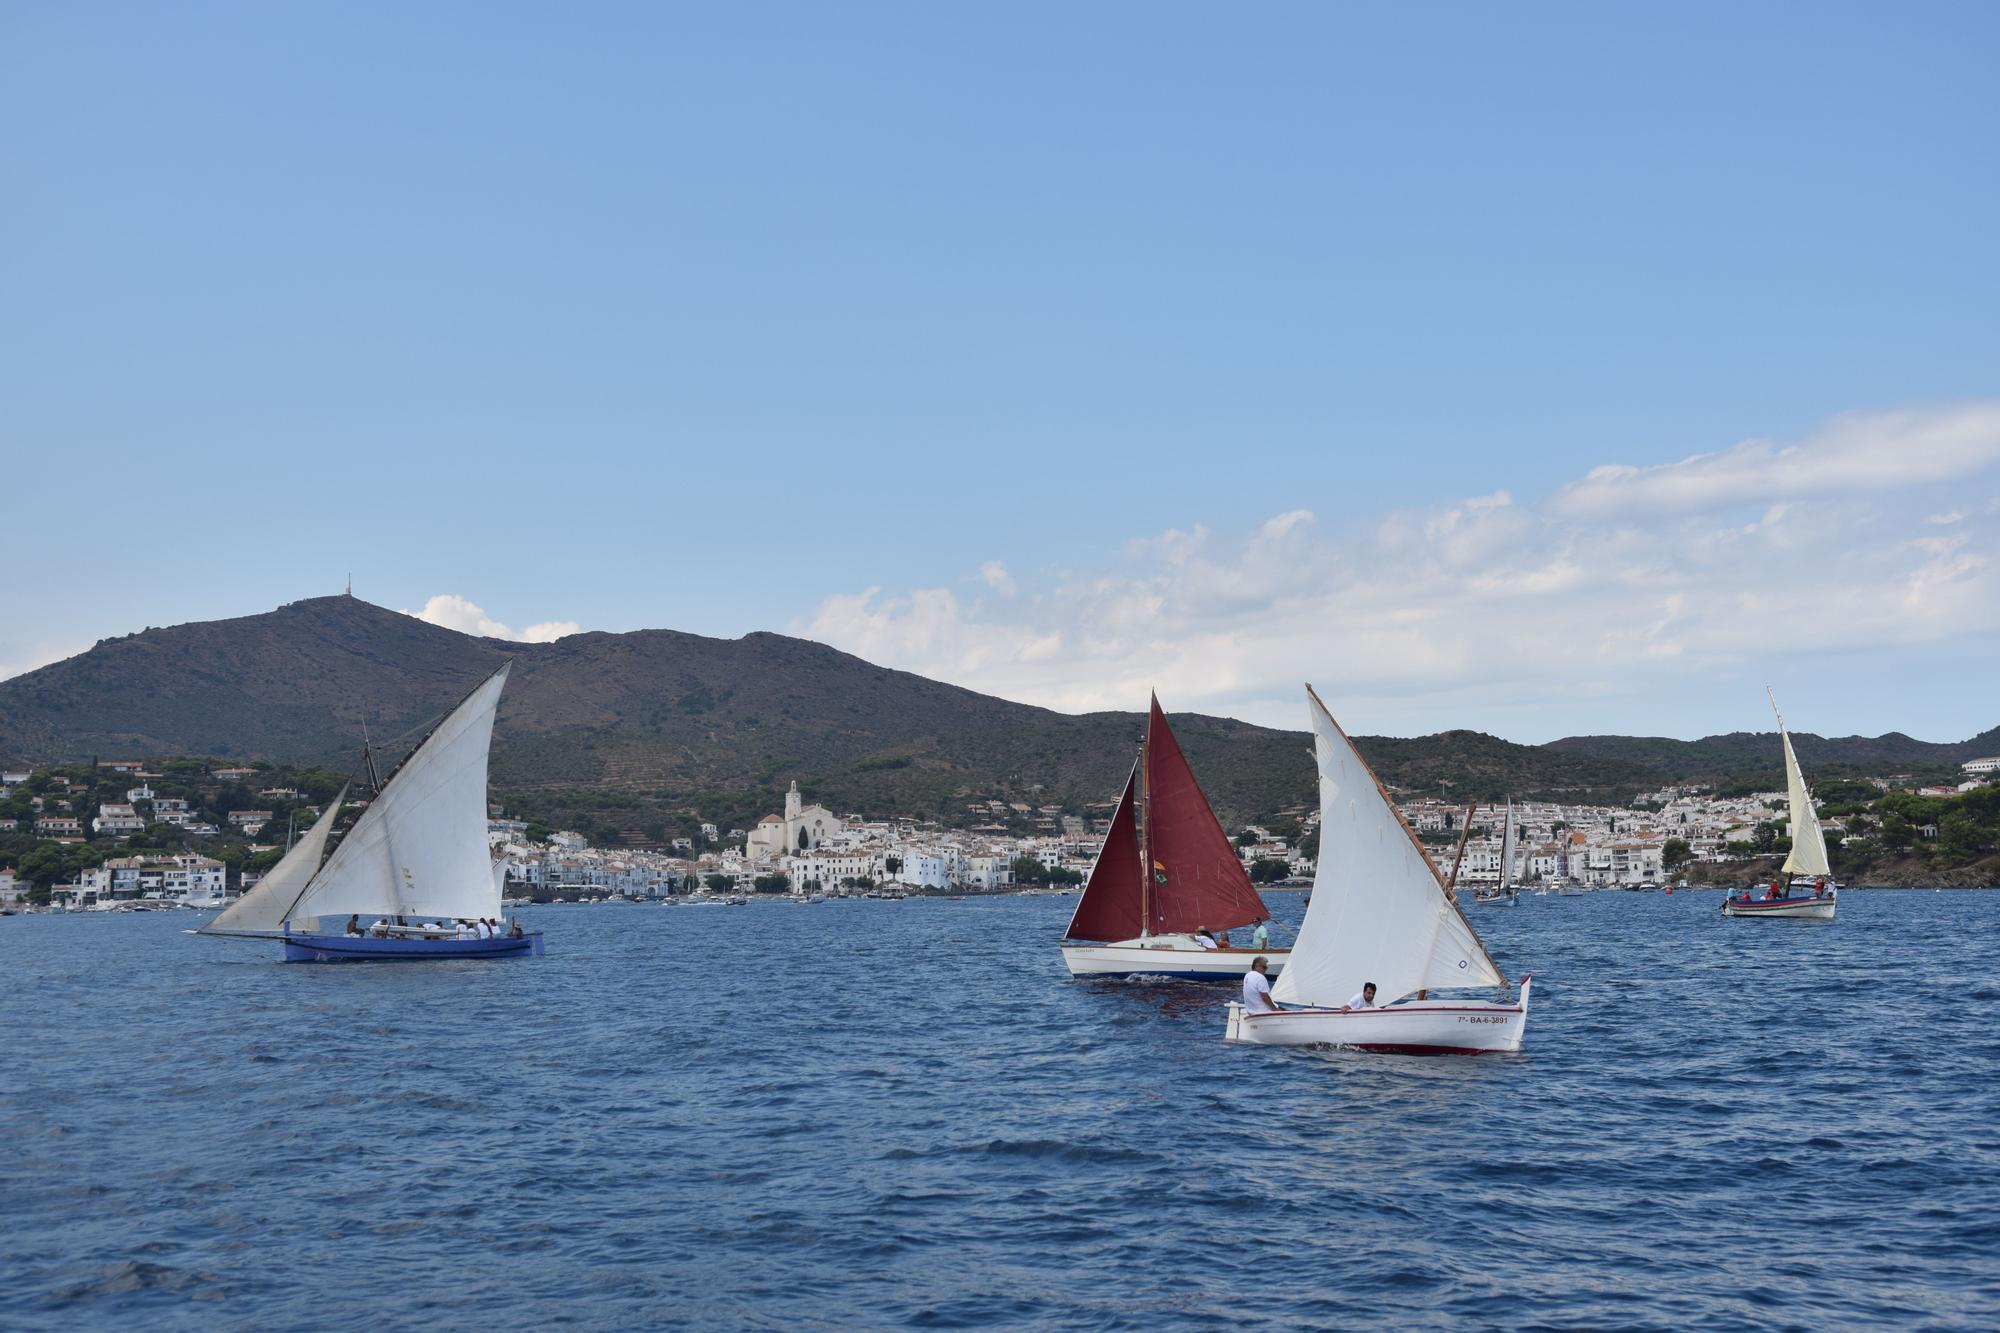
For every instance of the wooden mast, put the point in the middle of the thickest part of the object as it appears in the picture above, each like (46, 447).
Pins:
(1143, 810)
(1464, 836)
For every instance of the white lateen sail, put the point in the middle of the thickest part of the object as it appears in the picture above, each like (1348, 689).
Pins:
(1808, 855)
(1379, 912)
(262, 910)
(420, 848)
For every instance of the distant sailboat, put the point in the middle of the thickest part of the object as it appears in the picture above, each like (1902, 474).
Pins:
(1165, 872)
(417, 854)
(1380, 914)
(1811, 894)
(1504, 894)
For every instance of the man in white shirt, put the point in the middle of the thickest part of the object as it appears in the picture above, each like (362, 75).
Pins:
(1364, 998)
(1257, 989)
(1204, 939)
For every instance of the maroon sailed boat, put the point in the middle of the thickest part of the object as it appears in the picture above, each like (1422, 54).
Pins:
(1167, 881)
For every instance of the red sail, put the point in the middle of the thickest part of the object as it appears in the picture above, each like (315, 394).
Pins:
(1109, 908)
(1198, 879)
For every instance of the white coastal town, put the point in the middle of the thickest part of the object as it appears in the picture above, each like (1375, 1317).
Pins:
(808, 852)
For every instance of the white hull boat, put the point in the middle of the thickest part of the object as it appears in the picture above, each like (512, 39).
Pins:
(1176, 956)
(1810, 896)
(1412, 1027)
(1165, 872)
(1383, 924)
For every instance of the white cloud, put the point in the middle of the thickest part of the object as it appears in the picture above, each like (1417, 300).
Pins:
(467, 617)
(1858, 453)
(997, 578)
(1626, 572)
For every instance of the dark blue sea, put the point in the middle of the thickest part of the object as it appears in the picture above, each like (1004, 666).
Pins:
(904, 1114)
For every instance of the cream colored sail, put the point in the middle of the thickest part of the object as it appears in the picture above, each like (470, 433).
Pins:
(1379, 911)
(263, 908)
(420, 849)
(1808, 856)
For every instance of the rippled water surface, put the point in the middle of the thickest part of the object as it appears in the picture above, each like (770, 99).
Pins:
(873, 1114)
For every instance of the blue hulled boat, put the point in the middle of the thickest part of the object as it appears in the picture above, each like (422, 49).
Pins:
(302, 948)
(416, 864)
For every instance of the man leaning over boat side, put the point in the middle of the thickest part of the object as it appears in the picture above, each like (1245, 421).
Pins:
(1257, 989)
(1363, 998)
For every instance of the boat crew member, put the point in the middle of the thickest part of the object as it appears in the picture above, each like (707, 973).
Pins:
(514, 929)
(1260, 938)
(1257, 988)
(354, 924)
(1204, 938)
(1364, 998)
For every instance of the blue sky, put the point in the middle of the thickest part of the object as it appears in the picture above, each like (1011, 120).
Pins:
(1061, 351)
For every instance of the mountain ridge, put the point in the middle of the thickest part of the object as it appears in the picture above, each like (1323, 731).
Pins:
(657, 720)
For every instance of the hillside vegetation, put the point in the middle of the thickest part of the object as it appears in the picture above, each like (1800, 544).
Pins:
(648, 732)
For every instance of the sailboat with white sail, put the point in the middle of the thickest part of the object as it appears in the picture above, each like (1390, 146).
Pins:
(416, 860)
(1381, 915)
(1166, 881)
(1811, 892)
(1505, 894)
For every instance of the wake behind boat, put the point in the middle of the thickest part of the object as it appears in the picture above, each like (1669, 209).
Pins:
(1811, 893)
(416, 859)
(1381, 915)
(1166, 873)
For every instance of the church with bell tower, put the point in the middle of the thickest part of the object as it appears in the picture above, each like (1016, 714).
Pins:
(801, 828)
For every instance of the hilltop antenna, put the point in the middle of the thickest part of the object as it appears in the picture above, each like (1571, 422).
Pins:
(350, 583)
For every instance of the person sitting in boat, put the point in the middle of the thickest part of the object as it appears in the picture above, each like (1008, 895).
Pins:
(1257, 988)
(1773, 893)
(1363, 998)
(514, 929)
(1204, 937)
(354, 924)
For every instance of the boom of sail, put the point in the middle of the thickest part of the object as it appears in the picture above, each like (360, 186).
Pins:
(420, 848)
(1379, 909)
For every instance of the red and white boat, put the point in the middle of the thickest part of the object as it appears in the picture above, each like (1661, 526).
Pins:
(1805, 889)
(1380, 914)
(1166, 872)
